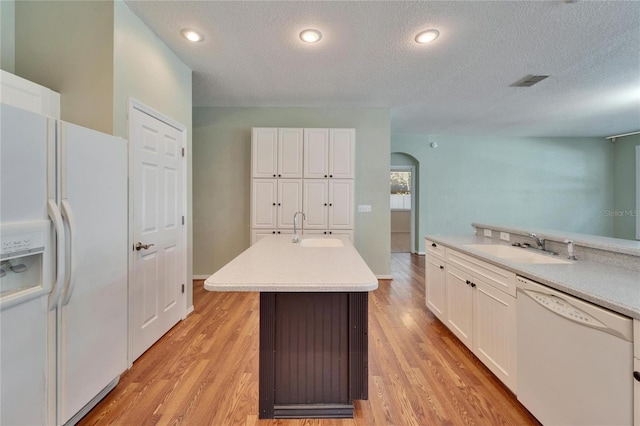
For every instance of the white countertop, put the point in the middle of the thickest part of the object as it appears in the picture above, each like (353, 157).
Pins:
(275, 264)
(614, 288)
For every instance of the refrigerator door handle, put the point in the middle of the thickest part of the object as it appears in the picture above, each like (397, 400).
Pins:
(70, 281)
(56, 218)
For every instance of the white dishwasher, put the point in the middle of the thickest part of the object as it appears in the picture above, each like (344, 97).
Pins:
(575, 359)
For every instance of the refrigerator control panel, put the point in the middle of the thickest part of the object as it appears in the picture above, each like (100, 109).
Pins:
(22, 244)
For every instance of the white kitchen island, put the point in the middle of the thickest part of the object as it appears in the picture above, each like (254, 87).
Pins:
(313, 323)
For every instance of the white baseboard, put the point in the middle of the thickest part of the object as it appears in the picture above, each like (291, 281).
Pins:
(201, 277)
(384, 277)
(189, 311)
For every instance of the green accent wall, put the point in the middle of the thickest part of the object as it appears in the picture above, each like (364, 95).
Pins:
(221, 178)
(8, 35)
(624, 179)
(554, 183)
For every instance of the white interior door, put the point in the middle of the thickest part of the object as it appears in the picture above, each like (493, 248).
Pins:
(158, 265)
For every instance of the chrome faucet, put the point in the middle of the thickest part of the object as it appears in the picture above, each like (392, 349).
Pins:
(539, 241)
(295, 226)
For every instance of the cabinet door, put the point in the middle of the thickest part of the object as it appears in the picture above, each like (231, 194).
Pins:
(264, 149)
(342, 149)
(263, 201)
(495, 331)
(460, 305)
(315, 204)
(341, 204)
(258, 234)
(435, 293)
(290, 153)
(316, 153)
(289, 202)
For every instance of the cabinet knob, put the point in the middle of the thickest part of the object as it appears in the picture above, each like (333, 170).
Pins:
(434, 245)
(274, 204)
(273, 232)
(279, 175)
(330, 232)
(279, 204)
(468, 282)
(330, 204)
(330, 176)
(473, 285)
(325, 204)
(278, 232)
(636, 375)
(325, 175)
(325, 232)
(274, 175)
(441, 267)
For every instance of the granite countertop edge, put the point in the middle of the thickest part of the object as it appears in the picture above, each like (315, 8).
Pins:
(582, 279)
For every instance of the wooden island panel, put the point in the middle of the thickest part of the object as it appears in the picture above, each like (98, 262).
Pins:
(313, 354)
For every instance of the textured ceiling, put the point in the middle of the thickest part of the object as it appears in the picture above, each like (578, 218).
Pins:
(459, 84)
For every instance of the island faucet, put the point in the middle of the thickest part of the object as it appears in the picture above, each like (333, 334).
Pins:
(539, 241)
(295, 226)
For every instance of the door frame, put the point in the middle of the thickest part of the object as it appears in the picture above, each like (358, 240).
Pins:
(411, 169)
(134, 104)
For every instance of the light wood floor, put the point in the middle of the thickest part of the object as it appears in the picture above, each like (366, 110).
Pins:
(205, 370)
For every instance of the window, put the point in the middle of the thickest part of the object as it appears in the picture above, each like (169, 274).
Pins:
(400, 190)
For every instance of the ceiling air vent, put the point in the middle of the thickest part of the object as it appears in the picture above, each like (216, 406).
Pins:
(529, 80)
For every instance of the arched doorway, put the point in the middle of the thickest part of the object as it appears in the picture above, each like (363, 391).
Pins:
(403, 197)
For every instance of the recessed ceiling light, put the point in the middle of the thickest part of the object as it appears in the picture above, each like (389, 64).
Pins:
(310, 36)
(191, 35)
(427, 36)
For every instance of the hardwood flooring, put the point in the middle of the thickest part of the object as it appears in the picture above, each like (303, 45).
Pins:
(205, 370)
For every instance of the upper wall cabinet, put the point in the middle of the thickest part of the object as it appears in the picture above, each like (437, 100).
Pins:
(342, 152)
(329, 153)
(276, 153)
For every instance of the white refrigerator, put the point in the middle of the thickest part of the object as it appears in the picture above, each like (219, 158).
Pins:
(63, 278)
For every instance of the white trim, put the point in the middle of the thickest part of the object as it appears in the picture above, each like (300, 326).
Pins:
(190, 310)
(384, 277)
(135, 104)
(421, 253)
(201, 277)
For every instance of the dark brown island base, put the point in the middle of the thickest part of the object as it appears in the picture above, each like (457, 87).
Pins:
(313, 323)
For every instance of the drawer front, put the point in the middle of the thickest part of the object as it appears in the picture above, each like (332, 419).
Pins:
(435, 249)
(493, 275)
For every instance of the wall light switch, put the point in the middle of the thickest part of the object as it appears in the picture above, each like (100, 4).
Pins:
(504, 236)
(487, 233)
(364, 208)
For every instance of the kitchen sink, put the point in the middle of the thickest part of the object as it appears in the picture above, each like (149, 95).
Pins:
(321, 242)
(516, 254)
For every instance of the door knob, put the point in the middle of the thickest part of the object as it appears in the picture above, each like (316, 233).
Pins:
(141, 246)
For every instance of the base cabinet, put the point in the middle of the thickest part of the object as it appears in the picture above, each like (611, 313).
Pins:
(435, 287)
(477, 310)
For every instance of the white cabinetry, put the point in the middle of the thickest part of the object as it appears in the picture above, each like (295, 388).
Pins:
(435, 295)
(636, 372)
(329, 153)
(476, 301)
(325, 157)
(276, 153)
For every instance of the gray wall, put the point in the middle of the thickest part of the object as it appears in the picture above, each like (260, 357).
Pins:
(116, 58)
(221, 174)
(145, 69)
(624, 180)
(7, 35)
(557, 183)
(67, 46)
